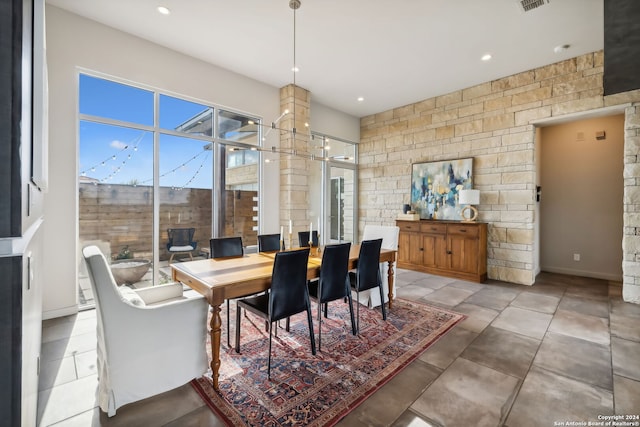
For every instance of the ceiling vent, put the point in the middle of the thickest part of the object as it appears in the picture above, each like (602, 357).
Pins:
(528, 5)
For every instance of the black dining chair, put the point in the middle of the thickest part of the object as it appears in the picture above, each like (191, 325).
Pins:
(367, 274)
(333, 283)
(226, 247)
(269, 242)
(287, 296)
(303, 238)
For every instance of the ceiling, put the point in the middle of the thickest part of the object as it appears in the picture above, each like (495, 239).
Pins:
(390, 52)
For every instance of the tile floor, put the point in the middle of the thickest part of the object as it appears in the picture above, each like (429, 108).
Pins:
(564, 349)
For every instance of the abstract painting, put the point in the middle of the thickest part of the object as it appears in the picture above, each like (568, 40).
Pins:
(435, 187)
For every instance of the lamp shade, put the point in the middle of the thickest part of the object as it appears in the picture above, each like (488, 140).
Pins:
(469, 197)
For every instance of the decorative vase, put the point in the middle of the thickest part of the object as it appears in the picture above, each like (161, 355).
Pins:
(406, 208)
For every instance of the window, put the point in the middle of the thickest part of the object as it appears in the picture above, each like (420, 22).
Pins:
(141, 175)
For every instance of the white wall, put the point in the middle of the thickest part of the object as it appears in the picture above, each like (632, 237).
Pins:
(75, 43)
(581, 209)
(331, 122)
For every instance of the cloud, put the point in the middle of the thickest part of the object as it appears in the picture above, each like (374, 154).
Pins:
(117, 144)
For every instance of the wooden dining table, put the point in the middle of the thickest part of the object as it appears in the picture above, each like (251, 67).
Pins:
(222, 279)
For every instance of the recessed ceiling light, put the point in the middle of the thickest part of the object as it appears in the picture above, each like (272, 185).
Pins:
(360, 99)
(163, 10)
(561, 48)
(486, 57)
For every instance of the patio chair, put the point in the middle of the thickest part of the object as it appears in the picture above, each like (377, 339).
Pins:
(181, 241)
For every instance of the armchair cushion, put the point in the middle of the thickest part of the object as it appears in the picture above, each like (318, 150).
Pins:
(130, 296)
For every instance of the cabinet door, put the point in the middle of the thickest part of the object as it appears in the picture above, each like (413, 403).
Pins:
(404, 248)
(463, 253)
(416, 249)
(435, 250)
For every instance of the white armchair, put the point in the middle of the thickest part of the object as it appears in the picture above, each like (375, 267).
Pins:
(389, 236)
(149, 340)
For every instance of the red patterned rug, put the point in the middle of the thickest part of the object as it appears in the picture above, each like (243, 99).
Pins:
(318, 390)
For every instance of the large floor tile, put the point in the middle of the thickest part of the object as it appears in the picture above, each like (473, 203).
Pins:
(449, 296)
(447, 348)
(625, 356)
(67, 400)
(585, 305)
(547, 398)
(66, 329)
(467, 394)
(583, 326)
(388, 403)
(478, 318)
(503, 351)
(526, 322)
(626, 394)
(626, 327)
(56, 372)
(536, 302)
(58, 349)
(434, 282)
(495, 298)
(202, 416)
(157, 410)
(470, 286)
(411, 419)
(575, 358)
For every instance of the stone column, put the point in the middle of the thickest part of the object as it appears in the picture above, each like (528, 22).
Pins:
(294, 169)
(631, 237)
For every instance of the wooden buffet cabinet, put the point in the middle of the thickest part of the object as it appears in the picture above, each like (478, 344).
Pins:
(448, 248)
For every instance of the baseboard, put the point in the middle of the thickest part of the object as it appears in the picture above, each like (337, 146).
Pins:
(582, 273)
(61, 312)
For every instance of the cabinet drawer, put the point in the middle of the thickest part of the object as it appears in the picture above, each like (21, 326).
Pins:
(409, 226)
(466, 230)
(433, 228)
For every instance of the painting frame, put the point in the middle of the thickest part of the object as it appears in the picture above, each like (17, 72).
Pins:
(435, 186)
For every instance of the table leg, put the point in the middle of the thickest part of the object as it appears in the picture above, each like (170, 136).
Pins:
(390, 281)
(216, 323)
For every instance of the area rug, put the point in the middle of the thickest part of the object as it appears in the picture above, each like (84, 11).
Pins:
(318, 390)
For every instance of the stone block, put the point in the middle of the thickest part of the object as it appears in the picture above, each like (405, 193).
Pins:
(632, 219)
(448, 99)
(445, 132)
(470, 110)
(511, 275)
(584, 62)
(487, 161)
(512, 197)
(398, 126)
(476, 91)
(598, 58)
(468, 128)
(420, 121)
(426, 105)
(518, 138)
(488, 197)
(384, 116)
(444, 116)
(557, 69)
(630, 244)
(514, 81)
(631, 170)
(403, 112)
(577, 105)
(632, 145)
(531, 115)
(631, 194)
(497, 103)
(520, 236)
(517, 177)
(515, 158)
(520, 217)
(533, 95)
(512, 255)
(501, 121)
(487, 179)
(578, 85)
(631, 293)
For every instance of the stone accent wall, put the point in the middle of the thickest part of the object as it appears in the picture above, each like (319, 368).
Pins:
(631, 237)
(493, 123)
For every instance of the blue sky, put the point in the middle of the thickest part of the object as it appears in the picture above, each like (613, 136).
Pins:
(121, 155)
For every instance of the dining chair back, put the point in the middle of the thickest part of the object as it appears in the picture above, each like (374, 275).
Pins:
(226, 247)
(303, 238)
(367, 274)
(333, 283)
(287, 296)
(389, 235)
(223, 247)
(269, 242)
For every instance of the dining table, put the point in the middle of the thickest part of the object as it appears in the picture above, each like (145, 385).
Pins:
(233, 277)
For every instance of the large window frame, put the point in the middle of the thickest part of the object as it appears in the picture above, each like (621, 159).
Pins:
(218, 146)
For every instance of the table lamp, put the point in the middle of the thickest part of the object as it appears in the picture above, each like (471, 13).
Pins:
(469, 197)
